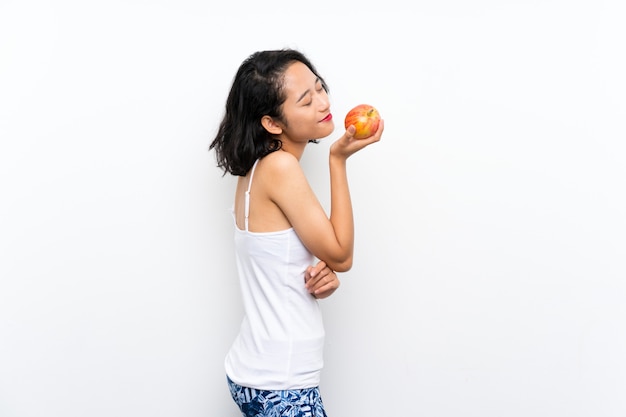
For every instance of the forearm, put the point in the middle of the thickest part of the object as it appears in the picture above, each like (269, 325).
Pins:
(341, 216)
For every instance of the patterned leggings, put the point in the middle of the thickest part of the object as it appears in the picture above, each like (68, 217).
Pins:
(289, 403)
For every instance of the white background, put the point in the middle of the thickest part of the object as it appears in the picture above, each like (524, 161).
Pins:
(489, 276)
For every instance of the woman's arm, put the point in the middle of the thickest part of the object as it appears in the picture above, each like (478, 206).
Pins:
(330, 238)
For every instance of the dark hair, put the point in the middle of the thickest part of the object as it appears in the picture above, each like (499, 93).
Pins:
(257, 90)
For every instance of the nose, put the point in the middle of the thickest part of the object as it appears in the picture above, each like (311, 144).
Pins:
(324, 102)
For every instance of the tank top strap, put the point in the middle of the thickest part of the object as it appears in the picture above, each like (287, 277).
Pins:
(247, 196)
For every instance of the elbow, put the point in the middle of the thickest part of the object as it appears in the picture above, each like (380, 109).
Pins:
(342, 265)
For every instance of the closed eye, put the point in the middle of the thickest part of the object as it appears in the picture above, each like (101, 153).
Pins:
(318, 88)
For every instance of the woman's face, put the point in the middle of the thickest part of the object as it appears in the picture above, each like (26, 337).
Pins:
(306, 109)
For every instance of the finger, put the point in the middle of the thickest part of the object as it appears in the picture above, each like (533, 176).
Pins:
(321, 281)
(313, 281)
(348, 136)
(315, 273)
(321, 265)
(350, 131)
(326, 286)
(307, 275)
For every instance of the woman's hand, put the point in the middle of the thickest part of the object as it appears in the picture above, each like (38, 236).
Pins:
(346, 145)
(320, 280)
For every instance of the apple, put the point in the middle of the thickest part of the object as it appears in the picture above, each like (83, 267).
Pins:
(365, 119)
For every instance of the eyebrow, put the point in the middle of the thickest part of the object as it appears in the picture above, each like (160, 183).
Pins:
(307, 91)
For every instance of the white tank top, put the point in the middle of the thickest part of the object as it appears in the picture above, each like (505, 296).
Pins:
(281, 340)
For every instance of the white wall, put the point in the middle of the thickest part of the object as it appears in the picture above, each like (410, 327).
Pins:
(489, 277)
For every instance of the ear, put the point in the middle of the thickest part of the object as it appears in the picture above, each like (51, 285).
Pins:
(271, 126)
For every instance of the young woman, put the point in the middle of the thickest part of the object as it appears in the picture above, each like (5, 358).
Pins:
(277, 104)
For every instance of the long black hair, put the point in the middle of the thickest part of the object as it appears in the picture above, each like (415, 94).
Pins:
(257, 91)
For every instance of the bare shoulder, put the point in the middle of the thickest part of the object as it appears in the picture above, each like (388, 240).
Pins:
(283, 180)
(280, 164)
(279, 191)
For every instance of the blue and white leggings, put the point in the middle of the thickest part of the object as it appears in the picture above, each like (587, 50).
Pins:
(289, 403)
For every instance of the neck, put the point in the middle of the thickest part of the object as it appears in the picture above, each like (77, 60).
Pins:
(296, 149)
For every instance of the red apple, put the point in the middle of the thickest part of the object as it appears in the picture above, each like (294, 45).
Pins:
(365, 119)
